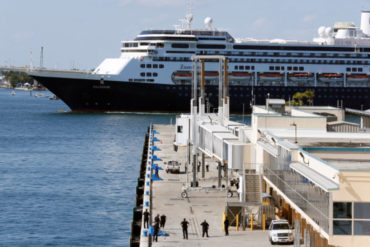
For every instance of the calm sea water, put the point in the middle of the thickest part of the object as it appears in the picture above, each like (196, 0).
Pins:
(67, 179)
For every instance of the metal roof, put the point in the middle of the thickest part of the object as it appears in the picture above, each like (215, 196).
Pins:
(315, 177)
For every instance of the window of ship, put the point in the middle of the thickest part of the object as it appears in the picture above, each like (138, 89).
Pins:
(236, 67)
(241, 67)
(252, 67)
(161, 66)
(354, 69)
(149, 65)
(271, 68)
(348, 69)
(142, 65)
(289, 68)
(277, 67)
(359, 69)
(180, 45)
(210, 46)
(142, 74)
(301, 68)
(247, 67)
(295, 68)
(148, 74)
(155, 74)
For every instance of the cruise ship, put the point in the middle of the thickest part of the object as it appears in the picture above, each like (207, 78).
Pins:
(154, 71)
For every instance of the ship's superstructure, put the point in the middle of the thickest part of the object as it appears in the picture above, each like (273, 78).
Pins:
(335, 65)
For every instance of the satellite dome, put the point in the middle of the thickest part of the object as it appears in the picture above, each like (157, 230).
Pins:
(329, 31)
(321, 31)
(208, 21)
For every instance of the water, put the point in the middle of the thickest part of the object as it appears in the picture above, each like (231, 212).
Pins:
(67, 179)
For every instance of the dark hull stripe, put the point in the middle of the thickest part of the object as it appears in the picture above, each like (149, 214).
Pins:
(90, 95)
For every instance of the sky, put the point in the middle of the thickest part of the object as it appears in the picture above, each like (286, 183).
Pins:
(82, 33)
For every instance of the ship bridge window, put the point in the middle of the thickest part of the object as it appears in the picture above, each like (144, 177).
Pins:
(179, 45)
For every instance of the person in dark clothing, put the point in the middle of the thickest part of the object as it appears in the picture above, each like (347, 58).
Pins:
(157, 219)
(163, 220)
(146, 218)
(205, 226)
(184, 225)
(226, 226)
(156, 169)
(156, 231)
(207, 167)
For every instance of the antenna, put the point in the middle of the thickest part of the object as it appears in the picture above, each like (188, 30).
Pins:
(189, 14)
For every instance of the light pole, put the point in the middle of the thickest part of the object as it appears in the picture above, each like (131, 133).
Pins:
(295, 132)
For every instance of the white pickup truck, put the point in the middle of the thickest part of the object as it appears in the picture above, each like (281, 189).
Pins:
(173, 166)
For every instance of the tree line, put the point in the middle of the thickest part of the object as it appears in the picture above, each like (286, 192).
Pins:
(15, 77)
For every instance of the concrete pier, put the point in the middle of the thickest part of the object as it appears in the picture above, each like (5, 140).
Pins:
(197, 207)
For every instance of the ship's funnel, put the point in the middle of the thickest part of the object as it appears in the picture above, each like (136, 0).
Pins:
(365, 22)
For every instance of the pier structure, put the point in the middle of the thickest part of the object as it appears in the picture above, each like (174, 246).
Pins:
(292, 163)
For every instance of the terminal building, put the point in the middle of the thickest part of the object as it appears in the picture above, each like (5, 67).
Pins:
(314, 166)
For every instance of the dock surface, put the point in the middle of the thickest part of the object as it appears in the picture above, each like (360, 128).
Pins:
(199, 206)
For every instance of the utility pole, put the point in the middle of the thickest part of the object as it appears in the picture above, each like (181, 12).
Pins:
(42, 57)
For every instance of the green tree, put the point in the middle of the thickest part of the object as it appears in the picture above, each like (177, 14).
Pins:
(15, 77)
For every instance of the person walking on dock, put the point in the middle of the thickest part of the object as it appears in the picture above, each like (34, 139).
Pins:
(163, 220)
(184, 225)
(146, 218)
(205, 227)
(226, 226)
(157, 219)
(156, 170)
(156, 231)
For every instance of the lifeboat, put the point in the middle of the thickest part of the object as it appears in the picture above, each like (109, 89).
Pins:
(210, 75)
(239, 76)
(268, 76)
(181, 75)
(187, 75)
(301, 77)
(331, 77)
(357, 77)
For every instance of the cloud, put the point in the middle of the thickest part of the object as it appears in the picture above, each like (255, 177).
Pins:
(260, 22)
(160, 3)
(309, 18)
(151, 3)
